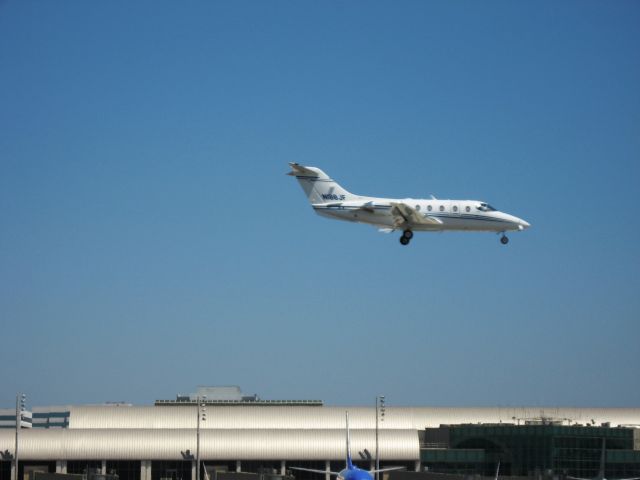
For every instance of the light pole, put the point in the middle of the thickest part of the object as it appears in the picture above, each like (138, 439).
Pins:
(202, 415)
(21, 400)
(379, 418)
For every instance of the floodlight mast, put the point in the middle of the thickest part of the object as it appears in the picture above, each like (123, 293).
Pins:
(202, 415)
(379, 418)
(21, 401)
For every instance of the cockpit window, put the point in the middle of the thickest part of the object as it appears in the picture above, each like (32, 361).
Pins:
(485, 207)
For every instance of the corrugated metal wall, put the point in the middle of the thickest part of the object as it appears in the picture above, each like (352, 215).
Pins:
(239, 417)
(245, 444)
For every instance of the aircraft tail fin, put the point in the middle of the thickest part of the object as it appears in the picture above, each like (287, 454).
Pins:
(318, 186)
(349, 462)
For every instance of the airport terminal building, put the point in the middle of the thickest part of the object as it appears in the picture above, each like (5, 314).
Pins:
(246, 434)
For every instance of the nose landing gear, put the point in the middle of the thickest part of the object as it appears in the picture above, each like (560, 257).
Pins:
(406, 237)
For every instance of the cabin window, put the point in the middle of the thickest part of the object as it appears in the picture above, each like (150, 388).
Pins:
(418, 207)
(442, 208)
(455, 209)
(429, 207)
(468, 209)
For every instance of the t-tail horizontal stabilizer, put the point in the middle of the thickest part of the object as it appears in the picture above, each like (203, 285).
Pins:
(319, 188)
(298, 170)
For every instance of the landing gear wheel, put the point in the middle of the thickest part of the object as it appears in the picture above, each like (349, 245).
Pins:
(504, 240)
(408, 234)
(404, 240)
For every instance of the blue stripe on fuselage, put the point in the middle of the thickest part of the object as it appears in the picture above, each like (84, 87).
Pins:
(463, 216)
(315, 179)
(351, 207)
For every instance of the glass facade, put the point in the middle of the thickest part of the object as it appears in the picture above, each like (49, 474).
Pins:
(84, 466)
(51, 419)
(40, 419)
(461, 461)
(172, 470)
(527, 450)
(265, 467)
(216, 469)
(28, 469)
(126, 470)
(5, 470)
(299, 475)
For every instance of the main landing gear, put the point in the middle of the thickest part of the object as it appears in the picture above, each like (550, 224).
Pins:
(406, 237)
(504, 239)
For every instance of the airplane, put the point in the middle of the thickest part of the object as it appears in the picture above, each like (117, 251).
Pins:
(408, 215)
(350, 472)
(600, 475)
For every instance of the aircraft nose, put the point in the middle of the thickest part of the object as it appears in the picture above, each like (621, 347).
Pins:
(524, 225)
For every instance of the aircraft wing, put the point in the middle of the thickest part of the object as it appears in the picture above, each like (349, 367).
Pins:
(404, 215)
(323, 472)
(387, 469)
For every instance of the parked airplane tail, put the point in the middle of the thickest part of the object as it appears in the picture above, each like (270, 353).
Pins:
(349, 462)
(318, 186)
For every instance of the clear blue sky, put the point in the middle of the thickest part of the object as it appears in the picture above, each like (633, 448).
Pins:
(150, 241)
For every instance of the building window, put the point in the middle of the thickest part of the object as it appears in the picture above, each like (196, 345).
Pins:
(126, 469)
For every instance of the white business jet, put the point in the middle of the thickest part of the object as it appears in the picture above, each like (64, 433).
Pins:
(408, 215)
